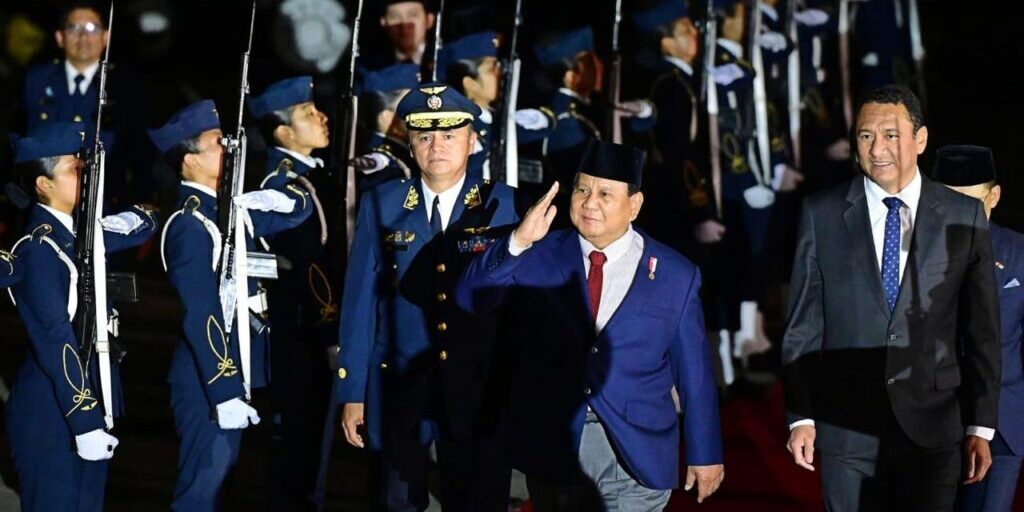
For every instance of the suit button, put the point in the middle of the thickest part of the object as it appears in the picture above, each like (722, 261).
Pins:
(892, 336)
(394, 266)
(383, 366)
(441, 297)
(43, 116)
(443, 355)
(442, 327)
(441, 268)
(78, 119)
(586, 391)
(342, 373)
(593, 350)
(890, 382)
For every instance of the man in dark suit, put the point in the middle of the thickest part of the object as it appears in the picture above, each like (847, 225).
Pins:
(606, 321)
(892, 350)
(971, 170)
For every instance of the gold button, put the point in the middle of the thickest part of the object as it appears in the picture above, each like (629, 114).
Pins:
(441, 268)
(441, 297)
(43, 116)
(342, 373)
(78, 119)
(383, 366)
(394, 266)
(443, 355)
(442, 327)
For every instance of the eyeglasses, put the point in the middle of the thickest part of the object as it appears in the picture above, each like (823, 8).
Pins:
(87, 27)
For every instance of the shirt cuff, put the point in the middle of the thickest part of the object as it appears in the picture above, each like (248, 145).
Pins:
(513, 248)
(800, 423)
(983, 432)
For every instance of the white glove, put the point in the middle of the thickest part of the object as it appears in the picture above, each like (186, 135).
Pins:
(369, 163)
(811, 17)
(773, 41)
(532, 119)
(870, 60)
(96, 445)
(236, 414)
(486, 117)
(123, 223)
(266, 201)
(727, 74)
(637, 108)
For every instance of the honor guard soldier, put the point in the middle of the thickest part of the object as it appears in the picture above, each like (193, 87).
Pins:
(388, 156)
(414, 368)
(470, 65)
(55, 415)
(303, 300)
(205, 373)
(748, 189)
(573, 66)
(678, 195)
(9, 272)
(67, 89)
(971, 170)
(406, 24)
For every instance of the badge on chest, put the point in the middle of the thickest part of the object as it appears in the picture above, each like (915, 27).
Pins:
(399, 240)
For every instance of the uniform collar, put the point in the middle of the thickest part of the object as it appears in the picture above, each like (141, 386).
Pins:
(65, 220)
(447, 198)
(732, 47)
(681, 64)
(574, 95)
(70, 73)
(770, 12)
(309, 161)
(202, 188)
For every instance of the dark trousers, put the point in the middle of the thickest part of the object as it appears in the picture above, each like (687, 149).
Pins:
(474, 476)
(206, 454)
(894, 474)
(996, 492)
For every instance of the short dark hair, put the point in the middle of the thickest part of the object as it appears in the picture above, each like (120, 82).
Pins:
(26, 173)
(373, 103)
(895, 94)
(65, 13)
(175, 157)
(462, 68)
(267, 124)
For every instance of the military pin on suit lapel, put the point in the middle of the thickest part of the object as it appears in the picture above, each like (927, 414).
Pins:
(652, 266)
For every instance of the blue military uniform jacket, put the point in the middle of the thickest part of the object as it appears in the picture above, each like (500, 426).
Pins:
(9, 272)
(655, 340)
(46, 97)
(310, 292)
(1008, 249)
(191, 251)
(53, 375)
(401, 335)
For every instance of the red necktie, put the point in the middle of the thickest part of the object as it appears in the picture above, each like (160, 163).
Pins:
(594, 280)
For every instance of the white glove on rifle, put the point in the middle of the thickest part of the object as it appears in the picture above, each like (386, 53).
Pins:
(236, 414)
(96, 445)
(532, 119)
(123, 223)
(369, 163)
(266, 201)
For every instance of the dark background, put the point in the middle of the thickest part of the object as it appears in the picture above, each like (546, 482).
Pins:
(975, 55)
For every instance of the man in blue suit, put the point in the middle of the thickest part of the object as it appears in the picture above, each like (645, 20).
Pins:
(55, 417)
(971, 170)
(606, 321)
(206, 384)
(414, 367)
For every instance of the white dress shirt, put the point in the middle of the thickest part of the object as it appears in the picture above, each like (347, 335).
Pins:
(446, 203)
(623, 256)
(70, 73)
(65, 219)
(877, 211)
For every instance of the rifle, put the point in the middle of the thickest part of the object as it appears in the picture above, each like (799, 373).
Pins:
(844, 61)
(91, 315)
(237, 263)
(505, 160)
(437, 41)
(917, 51)
(793, 80)
(615, 81)
(709, 96)
(760, 97)
(350, 121)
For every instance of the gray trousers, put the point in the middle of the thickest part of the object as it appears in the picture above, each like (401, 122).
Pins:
(607, 486)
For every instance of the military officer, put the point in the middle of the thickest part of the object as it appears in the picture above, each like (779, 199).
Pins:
(58, 435)
(414, 368)
(470, 65)
(388, 156)
(205, 368)
(407, 24)
(303, 300)
(971, 170)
